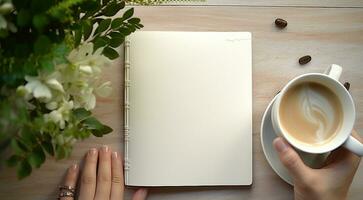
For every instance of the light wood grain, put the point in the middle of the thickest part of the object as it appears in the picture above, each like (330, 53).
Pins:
(294, 3)
(329, 35)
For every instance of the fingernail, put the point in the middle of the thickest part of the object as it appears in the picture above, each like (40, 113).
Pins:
(114, 155)
(74, 166)
(280, 145)
(105, 148)
(92, 152)
(143, 191)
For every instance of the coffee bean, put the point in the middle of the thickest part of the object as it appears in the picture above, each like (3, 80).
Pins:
(347, 85)
(304, 60)
(281, 23)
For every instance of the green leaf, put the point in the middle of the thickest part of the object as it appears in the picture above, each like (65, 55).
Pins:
(59, 53)
(47, 64)
(105, 2)
(4, 142)
(100, 42)
(13, 160)
(23, 50)
(4, 33)
(37, 157)
(90, 5)
(42, 44)
(67, 151)
(112, 8)
(116, 23)
(116, 34)
(110, 53)
(128, 14)
(92, 123)
(103, 25)
(116, 39)
(24, 169)
(139, 26)
(131, 27)
(48, 147)
(96, 20)
(20, 4)
(60, 152)
(23, 18)
(60, 50)
(106, 130)
(77, 37)
(28, 137)
(40, 21)
(87, 29)
(18, 147)
(81, 113)
(40, 5)
(134, 20)
(103, 131)
(82, 134)
(125, 31)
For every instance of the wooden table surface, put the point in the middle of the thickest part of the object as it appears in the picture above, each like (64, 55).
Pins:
(330, 33)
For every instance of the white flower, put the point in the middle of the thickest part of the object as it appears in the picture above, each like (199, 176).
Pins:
(54, 84)
(80, 54)
(6, 8)
(104, 89)
(61, 115)
(90, 101)
(87, 99)
(59, 139)
(40, 87)
(24, 92)
(86, 69)
(51, 105)
(71, 85)
(55, 116)
(3, 23)
(84, 56)
(37, 88)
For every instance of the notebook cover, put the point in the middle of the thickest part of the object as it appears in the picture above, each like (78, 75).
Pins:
(188, 109)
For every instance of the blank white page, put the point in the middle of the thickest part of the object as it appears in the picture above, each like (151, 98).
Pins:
(190, 109)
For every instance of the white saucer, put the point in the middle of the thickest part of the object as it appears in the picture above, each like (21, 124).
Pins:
(267, 136)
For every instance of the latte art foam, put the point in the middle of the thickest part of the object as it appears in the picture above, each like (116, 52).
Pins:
(311, 113)
(317, 110)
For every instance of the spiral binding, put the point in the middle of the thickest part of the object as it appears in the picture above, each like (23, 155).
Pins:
(126, 108)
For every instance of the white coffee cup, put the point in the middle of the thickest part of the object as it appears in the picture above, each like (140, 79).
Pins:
(329, 79)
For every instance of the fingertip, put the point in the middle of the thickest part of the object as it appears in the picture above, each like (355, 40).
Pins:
(142, 191)
(115, 155)
(280, 145)
(92, 153)
(140, 194)
(105, 149)
(116, 159)
(74, 168)
(71, 176)
(116, 162)
(105, 154)
(91, 156)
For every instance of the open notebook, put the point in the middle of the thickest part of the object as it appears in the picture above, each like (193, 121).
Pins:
(188, 109)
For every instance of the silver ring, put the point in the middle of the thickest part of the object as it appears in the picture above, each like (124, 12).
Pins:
(67, 188)
(65, 194)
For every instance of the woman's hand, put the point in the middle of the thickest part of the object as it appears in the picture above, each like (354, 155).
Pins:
(330, 182)
(102, 177)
